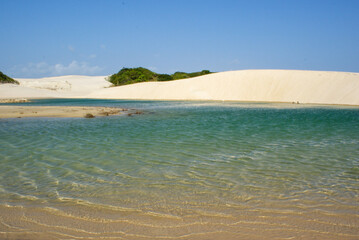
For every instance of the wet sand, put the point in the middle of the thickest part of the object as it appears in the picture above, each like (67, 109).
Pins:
(57, 111)
(88, 222)
(14, 100)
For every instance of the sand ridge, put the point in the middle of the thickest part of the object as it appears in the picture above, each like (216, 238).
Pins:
(249, 85)
(317, 87)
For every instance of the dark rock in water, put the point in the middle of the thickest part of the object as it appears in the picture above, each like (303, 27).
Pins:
(134, 112)
(89, 115)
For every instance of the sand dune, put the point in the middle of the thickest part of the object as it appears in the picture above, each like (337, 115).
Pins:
(54, 87)
(245, 85)
(73, 83)
(249, 85)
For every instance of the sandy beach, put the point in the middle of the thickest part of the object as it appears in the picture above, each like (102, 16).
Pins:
(56, 111)
(317, 87)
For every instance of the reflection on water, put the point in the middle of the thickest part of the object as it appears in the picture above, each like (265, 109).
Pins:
(184, 170)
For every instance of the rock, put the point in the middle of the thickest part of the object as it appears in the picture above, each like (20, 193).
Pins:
(89, 115)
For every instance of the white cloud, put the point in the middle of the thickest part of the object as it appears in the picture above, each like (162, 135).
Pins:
(44, 69)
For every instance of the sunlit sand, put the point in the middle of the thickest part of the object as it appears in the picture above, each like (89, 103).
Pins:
(316, 87)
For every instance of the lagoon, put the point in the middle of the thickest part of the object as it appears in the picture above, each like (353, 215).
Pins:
(182, 170)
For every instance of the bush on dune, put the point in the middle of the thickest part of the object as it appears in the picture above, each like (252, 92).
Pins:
(140, 74)
(6, 79)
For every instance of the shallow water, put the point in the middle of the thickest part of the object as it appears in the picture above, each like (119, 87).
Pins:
(182, 170)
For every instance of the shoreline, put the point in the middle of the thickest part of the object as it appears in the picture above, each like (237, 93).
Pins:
(9, 111)
(14, 100)
(13, 108)
(4, 102)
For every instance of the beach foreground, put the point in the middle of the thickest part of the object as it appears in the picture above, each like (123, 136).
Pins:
(317, 87)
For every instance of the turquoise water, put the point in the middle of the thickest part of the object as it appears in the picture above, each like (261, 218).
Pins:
(237, 168)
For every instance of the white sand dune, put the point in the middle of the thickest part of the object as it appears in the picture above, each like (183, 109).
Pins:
(317, 87)
(54, 87)
(249, 85)
(73, 83)
(9, 91)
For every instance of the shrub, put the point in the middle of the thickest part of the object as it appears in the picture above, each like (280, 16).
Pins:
(132, 75)
(164, 77)
(6, 79)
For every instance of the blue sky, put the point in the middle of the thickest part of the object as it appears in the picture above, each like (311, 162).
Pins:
(62, 37)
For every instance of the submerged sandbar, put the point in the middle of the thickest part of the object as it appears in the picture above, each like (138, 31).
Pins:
(57, 111)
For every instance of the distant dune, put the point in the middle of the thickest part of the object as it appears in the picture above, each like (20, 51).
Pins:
(246, 85)
(54, 87)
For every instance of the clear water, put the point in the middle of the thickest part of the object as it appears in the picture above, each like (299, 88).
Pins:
(196, 170)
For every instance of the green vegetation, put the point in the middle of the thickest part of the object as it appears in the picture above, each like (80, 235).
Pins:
(181, 75)
(6, 79)
(136, 75)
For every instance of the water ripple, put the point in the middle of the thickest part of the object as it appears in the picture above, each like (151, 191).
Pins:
(184, 170)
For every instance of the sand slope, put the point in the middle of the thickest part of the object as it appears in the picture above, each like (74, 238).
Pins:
(71, 83)
(249, 85)
(245, 85)
(54, 87)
